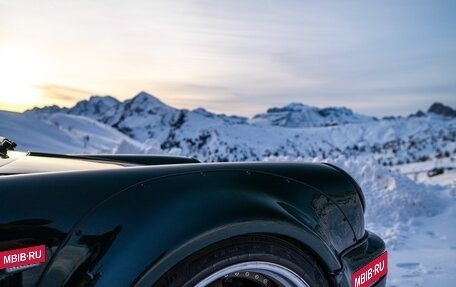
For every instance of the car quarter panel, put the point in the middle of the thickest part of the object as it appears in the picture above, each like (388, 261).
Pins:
(146, 229)
(139, 221)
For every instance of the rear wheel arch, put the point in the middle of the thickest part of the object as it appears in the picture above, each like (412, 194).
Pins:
(207, 265)
(327, 261)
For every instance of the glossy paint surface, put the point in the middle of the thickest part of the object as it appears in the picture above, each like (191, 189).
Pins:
(129, 225)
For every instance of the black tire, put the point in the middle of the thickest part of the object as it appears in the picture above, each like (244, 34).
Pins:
(236, 250)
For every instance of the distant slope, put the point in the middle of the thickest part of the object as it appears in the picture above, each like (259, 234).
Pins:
(63, 133)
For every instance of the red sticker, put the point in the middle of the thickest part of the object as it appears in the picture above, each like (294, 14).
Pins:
(371, 272)
(23, 256)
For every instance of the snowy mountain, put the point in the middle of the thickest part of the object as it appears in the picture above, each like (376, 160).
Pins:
(59, 132)
(441, 109)
(47, 110)
(295, 130)
(145, 117)
(142, 117)
(297, 115)
(95, 107)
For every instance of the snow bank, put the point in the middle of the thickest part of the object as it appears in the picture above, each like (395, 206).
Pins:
(393, 201)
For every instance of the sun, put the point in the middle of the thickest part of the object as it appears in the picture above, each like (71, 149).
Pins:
(21, 74)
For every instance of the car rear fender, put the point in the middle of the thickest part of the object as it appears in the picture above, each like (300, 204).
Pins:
(141, 232)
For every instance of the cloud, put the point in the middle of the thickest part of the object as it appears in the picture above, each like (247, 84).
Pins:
(245, 56)
(63, 93)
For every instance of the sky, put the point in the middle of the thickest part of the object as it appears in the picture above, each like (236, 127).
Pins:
(236, 57)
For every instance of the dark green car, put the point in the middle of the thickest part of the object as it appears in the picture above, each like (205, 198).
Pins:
(130, 220)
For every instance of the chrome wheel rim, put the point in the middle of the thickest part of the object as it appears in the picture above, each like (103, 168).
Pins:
(253, 273)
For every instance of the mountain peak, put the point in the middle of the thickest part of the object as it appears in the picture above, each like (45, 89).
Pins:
(441, 109)
(292, 107)
(95, 107)
(143, 97)
(296, 115)
(97, 98)
(47, 109)
(335, 111)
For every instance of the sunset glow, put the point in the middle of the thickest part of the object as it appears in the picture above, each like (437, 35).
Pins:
(21, 74)
(378, 58)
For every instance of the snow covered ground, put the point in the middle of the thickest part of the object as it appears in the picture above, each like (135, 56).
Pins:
(418, 171)
(428, 252)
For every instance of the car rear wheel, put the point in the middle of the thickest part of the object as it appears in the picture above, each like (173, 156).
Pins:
(247, 261)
